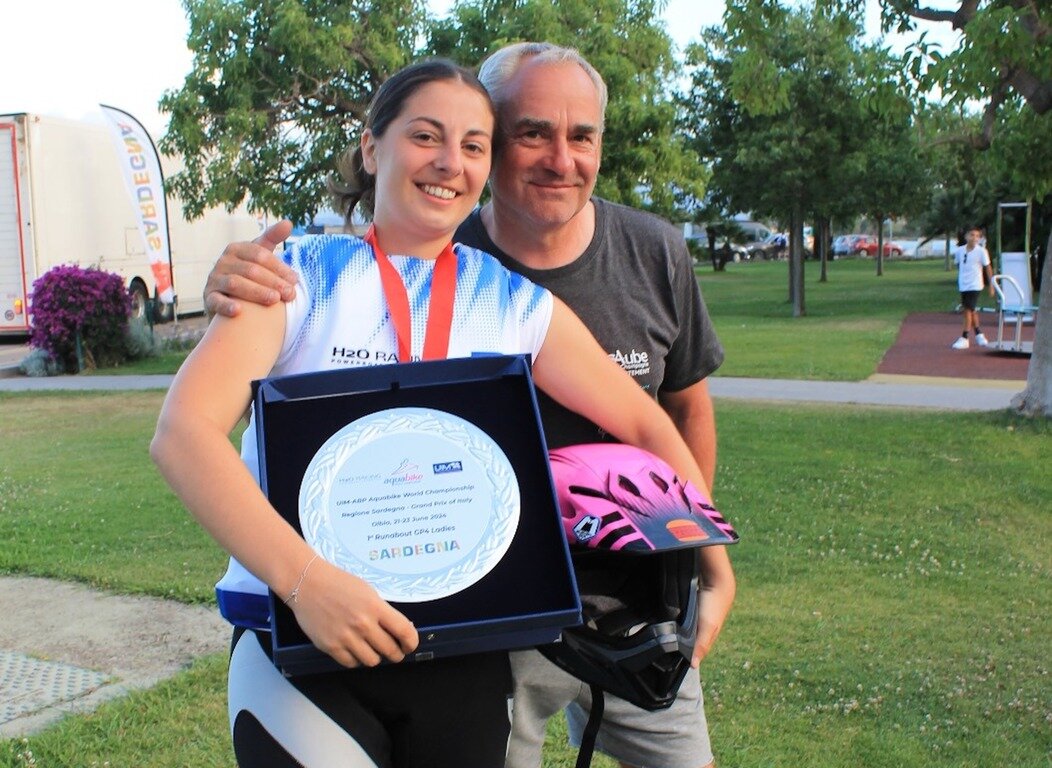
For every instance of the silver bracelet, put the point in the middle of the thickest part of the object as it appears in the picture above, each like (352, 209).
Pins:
(294, 595)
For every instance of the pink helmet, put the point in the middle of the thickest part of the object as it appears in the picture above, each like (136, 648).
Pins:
(621, 498)
(634, 531)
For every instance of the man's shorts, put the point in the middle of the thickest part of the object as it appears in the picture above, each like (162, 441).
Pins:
(677, 737)
(970, 299)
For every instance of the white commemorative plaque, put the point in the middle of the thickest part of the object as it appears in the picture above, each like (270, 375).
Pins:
(420, 503)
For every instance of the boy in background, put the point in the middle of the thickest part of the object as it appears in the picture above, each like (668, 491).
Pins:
(972, 262)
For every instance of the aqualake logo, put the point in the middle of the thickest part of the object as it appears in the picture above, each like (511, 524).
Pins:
(447, 466)
(414, 550)
(407, 472)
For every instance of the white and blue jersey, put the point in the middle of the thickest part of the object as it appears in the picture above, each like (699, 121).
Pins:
(339, 318)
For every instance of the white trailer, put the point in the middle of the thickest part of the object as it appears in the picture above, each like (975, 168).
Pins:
(63, 201)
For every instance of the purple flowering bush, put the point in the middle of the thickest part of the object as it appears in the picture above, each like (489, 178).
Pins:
(69, 298)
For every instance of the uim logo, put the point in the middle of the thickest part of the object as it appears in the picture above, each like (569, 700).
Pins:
(447, 466)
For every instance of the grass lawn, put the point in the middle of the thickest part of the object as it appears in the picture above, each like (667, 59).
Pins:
(81, 501)
(894, 608)
(851, 319)
(163, 363)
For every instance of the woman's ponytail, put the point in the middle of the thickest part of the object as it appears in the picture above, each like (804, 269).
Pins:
(352, 186)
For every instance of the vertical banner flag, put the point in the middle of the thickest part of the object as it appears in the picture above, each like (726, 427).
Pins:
(142, 176)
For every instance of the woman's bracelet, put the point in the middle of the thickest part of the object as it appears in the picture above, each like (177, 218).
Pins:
(295, 593)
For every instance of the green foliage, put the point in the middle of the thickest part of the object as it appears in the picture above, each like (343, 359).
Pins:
(769, 108)
(790, 108)
(1001, 38)
(1003, 62)
(645, 161)
(1022, 153)
(278, 90)
(965, 183)
(893, 169)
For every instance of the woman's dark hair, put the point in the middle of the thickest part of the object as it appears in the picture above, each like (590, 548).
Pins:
(352, 185)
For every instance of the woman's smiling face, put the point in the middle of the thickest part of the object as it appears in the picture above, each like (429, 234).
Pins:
(431, 165)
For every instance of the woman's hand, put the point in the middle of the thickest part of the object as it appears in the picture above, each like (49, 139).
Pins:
(718, 587)
(346, 618)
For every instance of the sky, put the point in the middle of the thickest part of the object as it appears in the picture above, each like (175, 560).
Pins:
(127, 53)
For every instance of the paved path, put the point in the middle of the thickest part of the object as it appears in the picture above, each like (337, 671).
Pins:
(902, 391)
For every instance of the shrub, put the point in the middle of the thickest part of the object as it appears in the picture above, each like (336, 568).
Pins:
(39, 363)
(139, 341)
(68, 299)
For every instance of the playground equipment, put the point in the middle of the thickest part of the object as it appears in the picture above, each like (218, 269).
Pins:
(1013, 283)
(1011, 307)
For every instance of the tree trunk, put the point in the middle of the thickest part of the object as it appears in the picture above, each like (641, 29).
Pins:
(716, 267)
(1036, 399)
(796, 261)
(822, 226)
(948, 263)
(880, 246)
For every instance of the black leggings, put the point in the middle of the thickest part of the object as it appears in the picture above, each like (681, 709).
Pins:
(445, 712)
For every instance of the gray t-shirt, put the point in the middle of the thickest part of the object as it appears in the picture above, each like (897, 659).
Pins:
(634, 288)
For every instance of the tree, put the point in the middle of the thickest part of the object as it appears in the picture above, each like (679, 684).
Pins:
(774, 107)
(964, 190)
(892, 176)
(646, 163)
(1005, 50)
(896, 177)
(1005, 62)
(278, 90)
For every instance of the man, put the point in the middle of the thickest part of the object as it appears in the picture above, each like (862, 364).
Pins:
(972, 262)
(628, 276)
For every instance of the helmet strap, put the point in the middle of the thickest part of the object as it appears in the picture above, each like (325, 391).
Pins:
(591, 728)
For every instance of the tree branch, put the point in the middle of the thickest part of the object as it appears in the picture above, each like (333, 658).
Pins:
(1037, 93)
(985, 136)
(1031, 21)
(958, 18)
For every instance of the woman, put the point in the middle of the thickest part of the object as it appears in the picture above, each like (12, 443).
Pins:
(423, 160)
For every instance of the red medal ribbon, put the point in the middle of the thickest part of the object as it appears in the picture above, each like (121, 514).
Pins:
(440, 314)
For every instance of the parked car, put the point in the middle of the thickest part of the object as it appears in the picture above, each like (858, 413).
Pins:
(774, 246)
(863, 245)
(749, 241)
(844, 245)
(698, 245)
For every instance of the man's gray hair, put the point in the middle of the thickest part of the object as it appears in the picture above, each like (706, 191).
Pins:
(501, 67)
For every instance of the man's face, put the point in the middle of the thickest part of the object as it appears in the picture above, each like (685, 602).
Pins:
(973, 236)
(545, 169)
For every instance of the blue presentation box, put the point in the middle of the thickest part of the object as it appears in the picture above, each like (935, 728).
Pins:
(523, 594)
